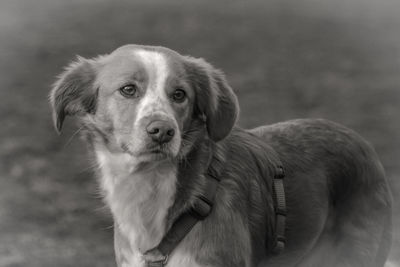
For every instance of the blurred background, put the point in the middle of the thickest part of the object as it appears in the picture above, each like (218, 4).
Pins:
(337, 59)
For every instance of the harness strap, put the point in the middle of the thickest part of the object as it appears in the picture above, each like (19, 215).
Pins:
(280, 211)
(201, 208)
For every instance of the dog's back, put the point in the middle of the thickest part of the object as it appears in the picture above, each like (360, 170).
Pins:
(339, 203)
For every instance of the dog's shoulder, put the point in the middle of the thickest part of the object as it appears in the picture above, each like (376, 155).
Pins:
(244, 148)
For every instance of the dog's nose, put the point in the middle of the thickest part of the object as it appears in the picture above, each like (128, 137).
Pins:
(160, 131)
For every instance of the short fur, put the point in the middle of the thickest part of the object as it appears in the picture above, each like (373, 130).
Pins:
(338, 200)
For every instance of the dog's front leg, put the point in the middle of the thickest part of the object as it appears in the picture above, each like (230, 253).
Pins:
(120, 245)
(124, 256)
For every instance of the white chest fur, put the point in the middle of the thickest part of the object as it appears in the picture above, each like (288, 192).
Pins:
(139, 201)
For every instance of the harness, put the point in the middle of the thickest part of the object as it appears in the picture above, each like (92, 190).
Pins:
(202, 207)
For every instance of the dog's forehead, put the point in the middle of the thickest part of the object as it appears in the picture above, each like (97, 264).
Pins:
(142, 63)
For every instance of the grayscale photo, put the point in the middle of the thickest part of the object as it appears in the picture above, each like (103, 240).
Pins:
(167, 133)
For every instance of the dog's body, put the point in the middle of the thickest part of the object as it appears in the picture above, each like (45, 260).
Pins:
(155, 119)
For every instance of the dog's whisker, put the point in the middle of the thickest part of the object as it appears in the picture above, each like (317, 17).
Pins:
(72, 136)
(91, 167)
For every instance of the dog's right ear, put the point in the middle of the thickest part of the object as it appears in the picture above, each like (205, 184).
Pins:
(215, 99)
(74, 93)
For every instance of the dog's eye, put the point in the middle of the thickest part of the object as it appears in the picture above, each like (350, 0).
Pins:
(179, 95)
(129, 91)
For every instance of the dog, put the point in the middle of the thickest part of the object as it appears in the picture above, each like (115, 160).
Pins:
(157, 121)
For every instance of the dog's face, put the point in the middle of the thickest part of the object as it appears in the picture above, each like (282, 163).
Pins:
(148, 102)
(143, 102)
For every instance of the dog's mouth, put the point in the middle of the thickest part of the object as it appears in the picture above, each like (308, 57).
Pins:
(151, 152)
(157, 152)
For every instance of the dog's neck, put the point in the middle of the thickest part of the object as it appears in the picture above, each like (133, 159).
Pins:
(139, 200)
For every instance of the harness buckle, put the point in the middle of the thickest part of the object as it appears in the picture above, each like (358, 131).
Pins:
(159, 263)
(201, 208)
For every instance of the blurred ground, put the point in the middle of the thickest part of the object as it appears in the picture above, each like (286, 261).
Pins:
(286, 59)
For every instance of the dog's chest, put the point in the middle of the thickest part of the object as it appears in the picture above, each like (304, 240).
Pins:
(139, 203)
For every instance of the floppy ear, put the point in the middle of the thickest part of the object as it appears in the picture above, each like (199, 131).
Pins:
(73, 92)
(215, 99)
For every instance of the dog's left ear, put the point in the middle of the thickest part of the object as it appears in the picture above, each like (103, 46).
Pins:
(73, 93)
(215, 99)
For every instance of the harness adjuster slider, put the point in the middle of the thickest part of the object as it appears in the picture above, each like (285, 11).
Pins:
(280, 238)
(279, 247)
(201, 208)
(279, 244)
(280, 173)
(280, 211)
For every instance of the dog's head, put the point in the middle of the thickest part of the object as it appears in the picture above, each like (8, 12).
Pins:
(149, 102)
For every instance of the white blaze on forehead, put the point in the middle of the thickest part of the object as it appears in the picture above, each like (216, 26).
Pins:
(156, 67)
(155, 99)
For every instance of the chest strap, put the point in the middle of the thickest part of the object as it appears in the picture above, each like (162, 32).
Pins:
(201, 208)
